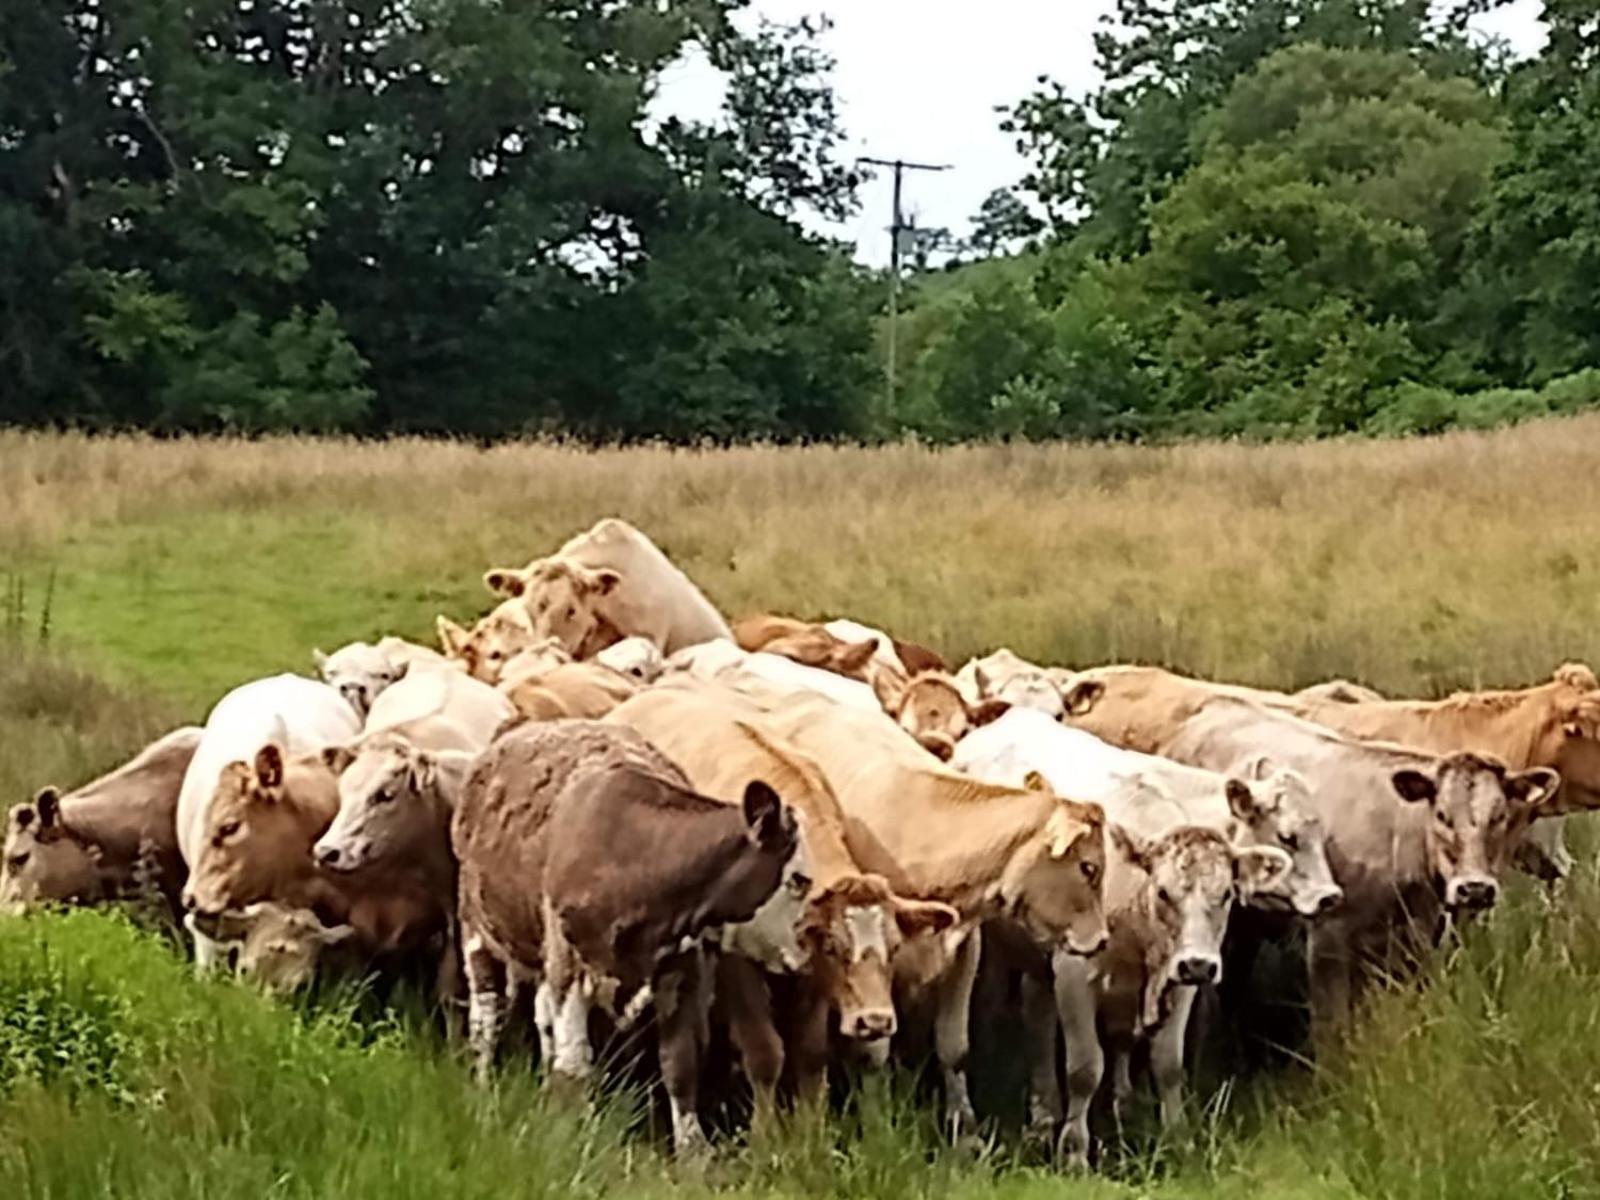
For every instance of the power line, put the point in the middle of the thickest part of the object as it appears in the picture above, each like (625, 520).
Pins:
(897, 226)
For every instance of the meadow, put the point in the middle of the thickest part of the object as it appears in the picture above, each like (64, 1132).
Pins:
(144, 578)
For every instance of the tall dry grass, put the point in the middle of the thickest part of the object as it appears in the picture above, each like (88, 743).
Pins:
(1416, 566)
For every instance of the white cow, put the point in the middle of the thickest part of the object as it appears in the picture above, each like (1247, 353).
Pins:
(440, 711)
(301, 715)
(362, 670)
(725, 663)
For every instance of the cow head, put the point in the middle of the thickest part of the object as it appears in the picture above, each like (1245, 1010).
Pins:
(1477, 812)
(933, 711)
(815, 646)
(45, 860)
(258, 833)
(491, 643)
(774, 879)
(1191, 877)
(1272, 807)
(1020, 685)
(359, 672)
(1052, 886)
(1571, 739)
(279, 946)
(390, 805)
(852, 928)
(636, 657)
(565, 601)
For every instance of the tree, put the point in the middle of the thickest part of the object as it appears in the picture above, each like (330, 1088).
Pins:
(1003, 225)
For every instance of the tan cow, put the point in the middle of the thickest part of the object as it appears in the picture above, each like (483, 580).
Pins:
(1411, 835)
(808, 644)
(580, 689)
(492, 642)
(854, 923)
(1554, 724)
(591, 870)
(608, 583)
(114, 837)
(931, 708)
(988, 851)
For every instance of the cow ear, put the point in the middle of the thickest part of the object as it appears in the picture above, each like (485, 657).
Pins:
(452, 637)
(23, 816)
(891, 692)
(1533, 789)
(1034, 781)
(321, 660)
(602, 582)
(47, 803)
(855, 657)
(1260, 868)
(396, 674)
(985, 712)
(1064, 830)
(763, 813)
(1081, 695)
(269, 767)
(981, 681)
(1241, 800)
(1129, 845)
(1414, 787)
(338, 758)
(506, 581)
(917, 917)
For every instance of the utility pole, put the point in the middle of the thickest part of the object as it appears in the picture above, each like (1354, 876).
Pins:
(896, 227)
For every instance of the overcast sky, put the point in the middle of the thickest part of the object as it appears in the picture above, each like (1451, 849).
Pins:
(920, 79)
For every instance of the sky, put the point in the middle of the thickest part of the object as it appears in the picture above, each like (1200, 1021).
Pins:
(920, 80)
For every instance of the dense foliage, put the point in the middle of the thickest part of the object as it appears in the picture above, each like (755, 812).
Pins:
(1271, 218)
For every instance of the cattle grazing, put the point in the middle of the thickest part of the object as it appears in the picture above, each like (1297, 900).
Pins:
(854, 922)
(279, 948)
(1167, 905)
(297, 714)
(112, 838)
(986, 850)
(590, 870)
(1411, 835)
(608, 583)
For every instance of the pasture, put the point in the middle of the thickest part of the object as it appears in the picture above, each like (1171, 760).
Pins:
(146, 577)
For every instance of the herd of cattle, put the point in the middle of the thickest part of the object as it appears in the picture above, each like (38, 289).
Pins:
(602, 796)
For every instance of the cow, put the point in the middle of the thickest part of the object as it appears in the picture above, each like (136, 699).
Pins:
(590, 869)
(532, 661)
(492, 642)
(987, 850)
(1412, 836)
(906, 658)
(854, 922)
(608, 583)
(277, 947)
(931, 709)
(295, 713)
(576, 689)
(1167, 903)
(441, 710)
(726, 663)
(361, 670)
(1265, 810)
(111, 838)
(1554, 724)
(810, 645)
(1006, 676)
(636, 657)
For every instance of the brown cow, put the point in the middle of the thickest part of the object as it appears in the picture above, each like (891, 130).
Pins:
(854, 923)
(1410, 835)
(931, 708)
(1554, 724)
(113, 837)
(809, 644)
(589, 868)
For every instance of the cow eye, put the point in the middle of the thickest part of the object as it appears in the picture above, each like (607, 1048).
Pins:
(1289, 842)
(1091, 871)
(572, 614)
(382, 796)
(1165, 896)
(226, 830)
(1443, 818)
(800, 884)
(18, 861)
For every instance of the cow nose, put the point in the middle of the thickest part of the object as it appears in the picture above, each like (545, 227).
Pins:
(188, 900)
(328, 856)
(1472, 894)
(1198, 970)
(1329, 901)
(869, 1026)
(1090, 948)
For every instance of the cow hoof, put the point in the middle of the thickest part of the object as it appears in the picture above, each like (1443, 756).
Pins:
(1072, 1153)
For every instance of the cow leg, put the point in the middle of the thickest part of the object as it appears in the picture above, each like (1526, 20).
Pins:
(1075, 1005)
(1166, 1058)
(486, 1005)
(682, 1000)
(1121, 1084)
(952, 1036)
(447, 985)
(1332, 965)
(1039, 1033)
(747, 1002)
(808, 1042)
(572, 1056)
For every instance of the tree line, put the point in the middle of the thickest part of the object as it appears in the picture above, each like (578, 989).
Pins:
(1274, 218)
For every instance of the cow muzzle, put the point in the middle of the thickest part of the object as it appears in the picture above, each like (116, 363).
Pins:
(355, 695)
(1198, 969)
(1471, 893)
(868, 1025)
(1321, 902)
(1086, 947)
(337, 858)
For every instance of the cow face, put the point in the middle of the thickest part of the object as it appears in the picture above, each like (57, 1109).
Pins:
(1477, 812)
(636, 657)
(852, 930)
(774, 878)
(1025, 686)
(256, 835)
(1573, 747)
(491, 643)
(358, 672)
(1192, 876)
(385, 806)
(44, 860)
(1272, 807)
(933, 711)
(565, 601)
(1053, 886)
(279, 947)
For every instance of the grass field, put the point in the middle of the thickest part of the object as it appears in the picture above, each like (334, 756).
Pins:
(163, 573)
